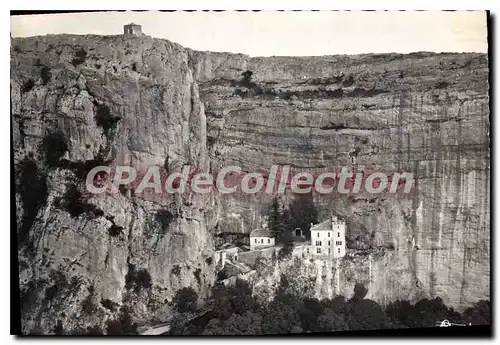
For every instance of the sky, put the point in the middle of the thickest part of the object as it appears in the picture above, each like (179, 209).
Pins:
(269, 33)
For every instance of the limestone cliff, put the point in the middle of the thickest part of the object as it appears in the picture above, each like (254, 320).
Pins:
(422, 113)
(119, 101)
(82, 100)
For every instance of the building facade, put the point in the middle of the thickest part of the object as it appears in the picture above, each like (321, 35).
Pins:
(261, 238)
(328, 238)
(132, 29)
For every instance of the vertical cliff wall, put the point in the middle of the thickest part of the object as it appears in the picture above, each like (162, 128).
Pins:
(81, 101)
(422, 113)
(78, 101)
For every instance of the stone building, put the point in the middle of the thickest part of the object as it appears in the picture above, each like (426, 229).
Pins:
(261, 238)
(132, 29)
(328, 238)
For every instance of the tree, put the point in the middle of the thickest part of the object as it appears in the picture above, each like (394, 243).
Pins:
(359, 292)
(278, 224)
(366, 314)
(185, 300)
(288, 245)
(303, 213)
(479, 314)
(331, 321)
(280, 318)
(248, 323)
(123, 325)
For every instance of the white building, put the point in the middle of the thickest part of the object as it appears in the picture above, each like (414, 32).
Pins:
(328, 238)
(261, 238)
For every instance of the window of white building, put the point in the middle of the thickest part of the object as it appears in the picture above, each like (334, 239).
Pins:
(268, 240)
(338, 234)
(328, 233)
(318, 250)
(318, 243)
(339, 250)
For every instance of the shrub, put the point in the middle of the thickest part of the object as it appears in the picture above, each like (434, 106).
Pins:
(79, 58)
(73, 202)
(28, 85)
(105, 120)
(109, 304)
(164, 218)
(246, 79)
(349, 81)
(115, 230)
(176, 270)
(45, 74)
(185, 300)
(442, 84)
(123, 325)
(82, 168)
(54, 146)
(137, 280)
(209, 260)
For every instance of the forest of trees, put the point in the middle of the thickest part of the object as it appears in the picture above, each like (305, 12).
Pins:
(233, 311)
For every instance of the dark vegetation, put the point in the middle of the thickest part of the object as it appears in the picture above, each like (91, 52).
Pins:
(233, 311)
(176, 270)
(115, 230)
(75, 203)
(79, 58)
(28, 85)
(301, 212)
(105, 119)
(137, 280)
(236, 238)
(82, 168)
(108, 304)
(164, 218)
(29, 294)
(246, 87)
(185, 300)
(32, 189)
(59, 290)
(334, 126)
(54, 146)
(123, 325)
(158, 225)
(45, 74)
(349, 81)
(442, 84)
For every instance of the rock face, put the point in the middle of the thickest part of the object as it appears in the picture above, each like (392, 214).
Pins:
(422, 113)
(126, 101)
(79, 101)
